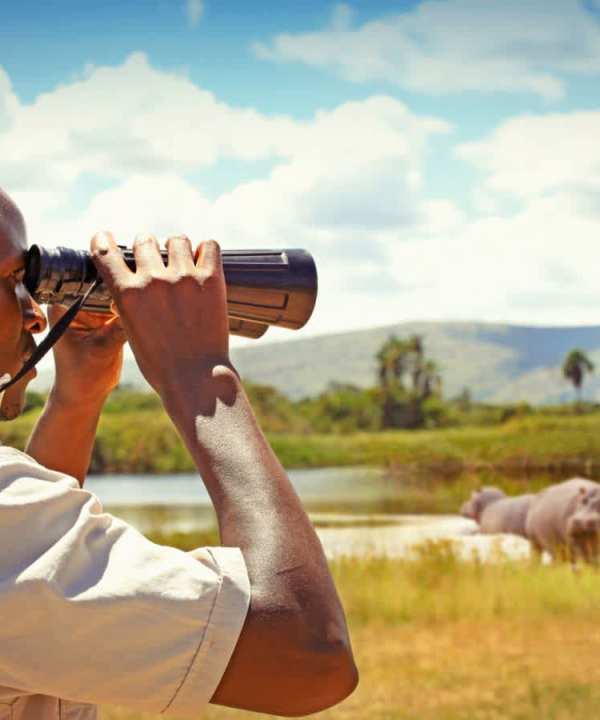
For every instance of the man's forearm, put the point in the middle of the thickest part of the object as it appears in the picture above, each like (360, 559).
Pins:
(63, 437)
(246, 482)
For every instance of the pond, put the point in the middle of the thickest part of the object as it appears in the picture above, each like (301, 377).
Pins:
(181, 503)
(355, 510)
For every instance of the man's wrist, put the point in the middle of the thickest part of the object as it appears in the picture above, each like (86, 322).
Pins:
(195, 393)
(75, 405)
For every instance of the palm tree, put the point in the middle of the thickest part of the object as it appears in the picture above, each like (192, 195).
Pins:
(574, 369)
(406, 378)
(391, 367)
(432, 381)
(391, 362)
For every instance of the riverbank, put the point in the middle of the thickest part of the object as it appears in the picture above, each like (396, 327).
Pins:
(144, 441)
(440, 639)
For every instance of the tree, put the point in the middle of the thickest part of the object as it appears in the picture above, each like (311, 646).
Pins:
(390, 358)
(574, 369)
(406, 379)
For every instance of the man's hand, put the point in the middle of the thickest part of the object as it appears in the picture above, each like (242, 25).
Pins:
(88, 357)
(88, 360)
(175, 316)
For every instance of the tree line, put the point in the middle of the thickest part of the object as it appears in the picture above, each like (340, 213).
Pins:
(406, 394)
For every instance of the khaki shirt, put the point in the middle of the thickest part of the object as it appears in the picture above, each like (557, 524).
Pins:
(92, 612)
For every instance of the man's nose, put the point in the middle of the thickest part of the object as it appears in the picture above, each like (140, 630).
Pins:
(34, 320)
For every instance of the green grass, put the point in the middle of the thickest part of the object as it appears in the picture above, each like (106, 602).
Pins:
(538, 442)
(144, 441)
(439, 639)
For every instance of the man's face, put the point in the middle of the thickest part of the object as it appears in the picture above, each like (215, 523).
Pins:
(20, 315)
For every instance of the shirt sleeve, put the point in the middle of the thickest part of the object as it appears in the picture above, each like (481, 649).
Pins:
(94, 612)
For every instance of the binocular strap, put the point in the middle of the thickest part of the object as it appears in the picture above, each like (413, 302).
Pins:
(51, 338)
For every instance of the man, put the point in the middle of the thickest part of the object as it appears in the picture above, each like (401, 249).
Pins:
(91, 611)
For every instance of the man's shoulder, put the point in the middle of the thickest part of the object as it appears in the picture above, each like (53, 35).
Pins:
(15, 465)
(9, 455)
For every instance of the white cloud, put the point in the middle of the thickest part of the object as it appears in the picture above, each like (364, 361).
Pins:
(444, 46)
(349, 185)
(127, 119)
(194, 10)
(358, 165)
(540, 154)
(536, 262)
(8, 101)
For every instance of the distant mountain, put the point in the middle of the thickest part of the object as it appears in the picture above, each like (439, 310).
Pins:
(498, 363)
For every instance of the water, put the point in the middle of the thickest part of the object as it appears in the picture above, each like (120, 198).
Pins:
(344, 486)
(181, 503)
(347, 505)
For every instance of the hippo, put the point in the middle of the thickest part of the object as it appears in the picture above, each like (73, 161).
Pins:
(583, 527)
(479, 500)
(564, 520)
(497, 513)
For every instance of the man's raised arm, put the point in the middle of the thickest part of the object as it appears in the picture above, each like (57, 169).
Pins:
(88, 360)
(293, 656)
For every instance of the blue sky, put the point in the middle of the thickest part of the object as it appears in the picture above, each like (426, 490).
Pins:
(439, 158)
(67, 35)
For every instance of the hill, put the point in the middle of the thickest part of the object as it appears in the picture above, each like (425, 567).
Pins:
(498, 363)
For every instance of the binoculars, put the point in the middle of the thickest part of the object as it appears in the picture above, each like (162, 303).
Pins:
(264, 287)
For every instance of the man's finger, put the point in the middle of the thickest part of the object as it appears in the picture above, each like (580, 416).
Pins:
(209, 257)
(109, 261)
(180, 254)
(147, 255)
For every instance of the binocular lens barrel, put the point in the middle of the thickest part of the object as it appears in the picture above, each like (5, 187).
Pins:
(264, 287)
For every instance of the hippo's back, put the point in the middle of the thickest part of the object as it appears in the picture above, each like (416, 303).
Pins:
(546, 524)
(508, 515)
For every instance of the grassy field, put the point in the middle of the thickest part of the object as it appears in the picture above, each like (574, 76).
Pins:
(438, 639)
(531, 443)
(143, 441)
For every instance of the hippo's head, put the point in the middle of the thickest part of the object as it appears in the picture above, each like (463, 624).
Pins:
(479, 500)
(583, 527)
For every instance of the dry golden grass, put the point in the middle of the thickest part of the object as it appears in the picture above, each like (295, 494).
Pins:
(436, 639)
(464, 671)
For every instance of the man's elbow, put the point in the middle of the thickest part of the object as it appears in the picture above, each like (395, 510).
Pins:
(338, 679)
(332, 677)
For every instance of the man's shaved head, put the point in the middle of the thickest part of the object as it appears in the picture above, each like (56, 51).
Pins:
(20, 315)
(11, 219)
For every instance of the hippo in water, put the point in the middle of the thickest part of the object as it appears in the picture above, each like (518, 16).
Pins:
(497, 513)
(564, 519)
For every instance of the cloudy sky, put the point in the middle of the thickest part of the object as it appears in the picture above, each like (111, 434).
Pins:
(440, 159)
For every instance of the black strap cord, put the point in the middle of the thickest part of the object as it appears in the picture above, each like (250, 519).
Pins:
(52, 337)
